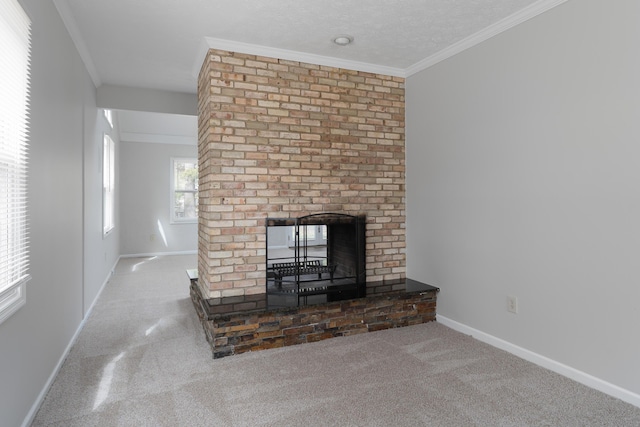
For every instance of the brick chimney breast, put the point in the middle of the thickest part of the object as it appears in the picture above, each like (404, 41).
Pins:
(285, 139)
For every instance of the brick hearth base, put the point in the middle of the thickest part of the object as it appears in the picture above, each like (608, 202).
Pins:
(239, 324)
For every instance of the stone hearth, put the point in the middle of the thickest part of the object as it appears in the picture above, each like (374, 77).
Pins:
(235, 325)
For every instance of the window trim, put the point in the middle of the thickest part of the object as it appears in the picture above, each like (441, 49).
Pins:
(12, 298)
(172, 218)
(108, 190)
(108, 116)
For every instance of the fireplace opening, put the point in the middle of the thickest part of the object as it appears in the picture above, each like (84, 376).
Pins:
(315, 259)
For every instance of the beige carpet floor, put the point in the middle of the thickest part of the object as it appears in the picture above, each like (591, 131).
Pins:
(142, 360)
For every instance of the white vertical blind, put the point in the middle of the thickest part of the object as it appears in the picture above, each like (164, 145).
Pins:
(15, 49)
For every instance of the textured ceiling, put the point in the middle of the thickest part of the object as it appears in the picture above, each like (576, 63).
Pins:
(158, 44)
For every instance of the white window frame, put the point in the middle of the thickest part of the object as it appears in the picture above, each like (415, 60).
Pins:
(108, 185)
(108, 115)
(172, 191)
(15, 45)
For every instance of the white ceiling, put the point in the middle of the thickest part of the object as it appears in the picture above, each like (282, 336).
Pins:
(142, 126)
(160, 44)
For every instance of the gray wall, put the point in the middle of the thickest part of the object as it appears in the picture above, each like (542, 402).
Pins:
(523, 172)
(101, 252)
(64, 122)
(144, 173)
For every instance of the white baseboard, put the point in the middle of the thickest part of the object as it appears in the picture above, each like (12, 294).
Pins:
(545, 362)
(43, 393)
(150, 254)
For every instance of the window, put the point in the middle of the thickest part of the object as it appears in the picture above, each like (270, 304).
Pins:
(108, 115)
(15, 45)
(108, 185)
(184, 190)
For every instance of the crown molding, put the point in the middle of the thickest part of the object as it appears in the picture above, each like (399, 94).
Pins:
(207, 43)
(501, 26)
(290, 55)
(72, 28)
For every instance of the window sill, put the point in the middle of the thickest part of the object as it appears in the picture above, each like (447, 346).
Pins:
(108, 232)
(12, 298)
(188, 221)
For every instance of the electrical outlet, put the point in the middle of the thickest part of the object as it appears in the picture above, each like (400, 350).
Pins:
(512, 304)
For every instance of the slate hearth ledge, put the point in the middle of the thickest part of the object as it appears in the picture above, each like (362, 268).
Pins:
(235, 325)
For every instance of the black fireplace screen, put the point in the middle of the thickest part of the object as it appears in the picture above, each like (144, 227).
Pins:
(316, 258)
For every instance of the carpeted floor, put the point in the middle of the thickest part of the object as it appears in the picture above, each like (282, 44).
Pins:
(142, 360)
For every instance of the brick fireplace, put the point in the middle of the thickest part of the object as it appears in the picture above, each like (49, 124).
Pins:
(286, 139)
(284, 143)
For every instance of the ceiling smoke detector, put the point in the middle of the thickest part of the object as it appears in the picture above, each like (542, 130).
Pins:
(343, 40)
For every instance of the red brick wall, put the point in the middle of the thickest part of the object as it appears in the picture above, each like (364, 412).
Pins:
(284, 139)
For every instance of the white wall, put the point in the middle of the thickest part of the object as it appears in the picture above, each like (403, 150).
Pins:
(62, 122)
(144, 173)
(523, 172)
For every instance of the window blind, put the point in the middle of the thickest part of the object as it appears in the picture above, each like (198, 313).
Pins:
(15, 45)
